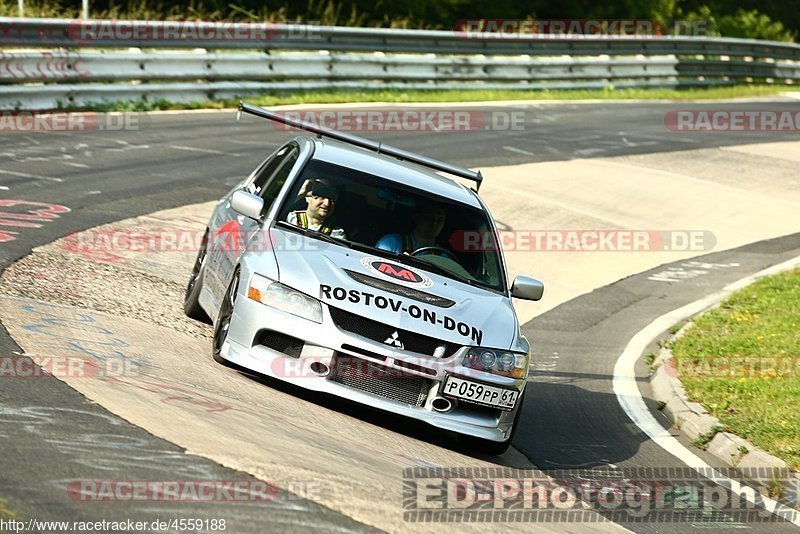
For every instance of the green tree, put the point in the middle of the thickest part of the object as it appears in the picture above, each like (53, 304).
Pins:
(787, 12)
(753, 25)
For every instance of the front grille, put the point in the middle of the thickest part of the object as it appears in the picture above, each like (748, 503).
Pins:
(379, 380)
(411, 293)
(380, 332)
(291, 346)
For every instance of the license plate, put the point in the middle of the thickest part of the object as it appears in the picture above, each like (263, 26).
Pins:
(480, 393)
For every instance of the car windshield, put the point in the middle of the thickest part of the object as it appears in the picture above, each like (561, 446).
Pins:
(374, 214)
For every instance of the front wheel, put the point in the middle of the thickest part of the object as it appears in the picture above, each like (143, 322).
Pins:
(223, 324)
(495, 448)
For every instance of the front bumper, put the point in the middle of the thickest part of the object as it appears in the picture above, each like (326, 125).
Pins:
(329, 346)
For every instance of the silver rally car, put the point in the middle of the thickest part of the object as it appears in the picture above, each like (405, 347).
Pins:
(312, 272)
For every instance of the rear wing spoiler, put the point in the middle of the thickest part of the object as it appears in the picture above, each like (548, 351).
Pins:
(377, 146)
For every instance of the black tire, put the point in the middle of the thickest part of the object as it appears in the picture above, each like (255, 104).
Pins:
(495, 448)
(224, 320)
(191, 306)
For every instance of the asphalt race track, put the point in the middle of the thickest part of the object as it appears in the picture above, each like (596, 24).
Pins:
(52, 434)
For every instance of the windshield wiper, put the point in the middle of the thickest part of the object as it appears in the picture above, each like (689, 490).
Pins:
(419, 262)
(422, 263)
(314, 233)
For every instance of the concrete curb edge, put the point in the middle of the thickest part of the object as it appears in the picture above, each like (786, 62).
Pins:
(697, 424)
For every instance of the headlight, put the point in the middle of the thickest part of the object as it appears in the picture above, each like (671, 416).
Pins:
(281, 297)
(497, 362)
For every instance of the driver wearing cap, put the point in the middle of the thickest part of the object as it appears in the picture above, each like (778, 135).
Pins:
(320, 197)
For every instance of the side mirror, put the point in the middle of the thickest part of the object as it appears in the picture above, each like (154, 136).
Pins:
(247, 204)
(525, 287)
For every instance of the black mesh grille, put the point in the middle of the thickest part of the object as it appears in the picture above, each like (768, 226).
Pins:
(291, 346)
(415, 294)
(380, 332)
(379, 380)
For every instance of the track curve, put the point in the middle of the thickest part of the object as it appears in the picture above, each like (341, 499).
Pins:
(578, 433)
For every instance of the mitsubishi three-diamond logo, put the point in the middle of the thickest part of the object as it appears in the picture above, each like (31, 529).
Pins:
(394, 340)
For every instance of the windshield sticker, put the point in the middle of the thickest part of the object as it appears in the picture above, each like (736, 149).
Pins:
(357, 296)
(396, 272)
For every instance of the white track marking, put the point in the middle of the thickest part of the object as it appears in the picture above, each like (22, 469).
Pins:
(518, 151)
(627, 391)
(589, 151)
(204, 150)
(19, 157)
(635, 143)
(248, 143)
(34, 176)
(123, 146)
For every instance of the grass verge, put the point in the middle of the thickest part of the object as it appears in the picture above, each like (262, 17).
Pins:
(400, 96)
(742, 362)
(6, 512)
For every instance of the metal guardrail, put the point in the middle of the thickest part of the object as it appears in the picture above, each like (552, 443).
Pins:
(120, 66)
(57, 33)
(87, 61)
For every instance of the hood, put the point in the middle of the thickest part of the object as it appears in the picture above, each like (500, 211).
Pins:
(477, 316)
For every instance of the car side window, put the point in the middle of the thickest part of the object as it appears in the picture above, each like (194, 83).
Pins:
(273, 187)
(269, 167)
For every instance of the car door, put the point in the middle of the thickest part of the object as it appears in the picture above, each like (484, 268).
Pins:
(230, 232)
